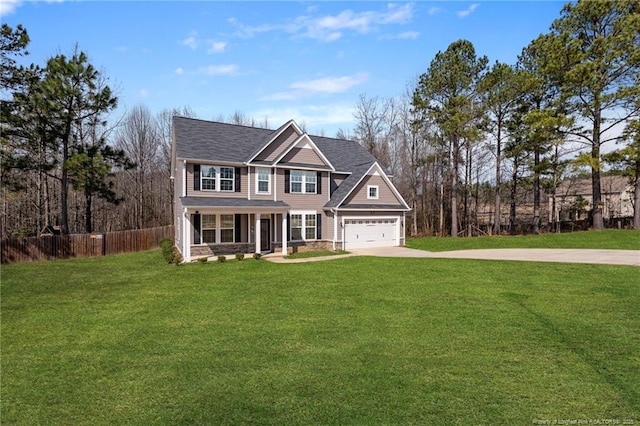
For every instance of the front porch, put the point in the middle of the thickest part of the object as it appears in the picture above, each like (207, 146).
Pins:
(212, 233)
(225, 226)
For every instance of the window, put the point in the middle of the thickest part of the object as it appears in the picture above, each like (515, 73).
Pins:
(208, 228)
(226, 228)
(263, 181)
(217, 178)
(208, 178)
(303, 226)
(372, 192)
(310, 182)
(310, 227)
(296, 226)
(296, 181)
(303, 182)
(226, 178)
(212, 225)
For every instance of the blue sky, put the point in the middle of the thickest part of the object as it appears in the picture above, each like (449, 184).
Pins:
(309, 61)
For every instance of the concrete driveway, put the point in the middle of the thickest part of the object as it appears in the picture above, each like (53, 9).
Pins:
(608, 257)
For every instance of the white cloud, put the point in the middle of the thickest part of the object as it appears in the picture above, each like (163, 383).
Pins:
(330, 28)
(7, 7)
(191, 41)
(247, 31)
(330, 84)
(212, 70)
(433, 10)
(179, 71)
(407, 35)
(313, 117)
(325, 85)
(467, 12)
(143, 93)
(216, 46)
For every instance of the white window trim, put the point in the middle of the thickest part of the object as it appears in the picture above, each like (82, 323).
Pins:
(369, 188)
(218, 179)
(303, 228)
(304, 182)
(257, 172)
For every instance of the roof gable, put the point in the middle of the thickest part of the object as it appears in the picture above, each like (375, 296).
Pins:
(375, 175)
(277, 142)
(303, 151)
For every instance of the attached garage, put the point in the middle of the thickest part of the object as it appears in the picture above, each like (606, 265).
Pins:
(366, 233)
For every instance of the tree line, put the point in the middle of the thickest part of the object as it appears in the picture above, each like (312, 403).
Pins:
(465, 135)
(63, 162)
(469, 133)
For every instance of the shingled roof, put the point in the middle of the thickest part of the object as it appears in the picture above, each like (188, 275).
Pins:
(213, 141)
(222, 142)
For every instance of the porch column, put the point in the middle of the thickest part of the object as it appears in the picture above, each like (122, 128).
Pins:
(257, 233)
(186, 238)
(335, 229)
(284, 234)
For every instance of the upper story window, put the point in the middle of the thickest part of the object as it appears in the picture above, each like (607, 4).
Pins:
(263, 181)
(208, 178)
(226, 178)
(372, 192)
(214, 178)
(303, 182)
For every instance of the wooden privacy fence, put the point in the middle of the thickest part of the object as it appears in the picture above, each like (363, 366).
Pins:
(52, 247)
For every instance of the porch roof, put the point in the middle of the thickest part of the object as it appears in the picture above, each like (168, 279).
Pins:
(234, 203)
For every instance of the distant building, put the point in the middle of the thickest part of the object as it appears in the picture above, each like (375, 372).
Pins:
(574, 199)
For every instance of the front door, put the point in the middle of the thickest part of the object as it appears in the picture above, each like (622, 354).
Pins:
(265, 234)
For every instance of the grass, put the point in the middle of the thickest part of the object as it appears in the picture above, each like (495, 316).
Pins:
(360, 340)
(607, 239)
(320, 253)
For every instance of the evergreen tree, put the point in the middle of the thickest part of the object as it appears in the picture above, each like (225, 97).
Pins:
(601, 41)
(500, 91)
(448, 94)
(72, 94)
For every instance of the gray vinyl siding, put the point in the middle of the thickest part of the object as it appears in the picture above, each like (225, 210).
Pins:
(303, 201)
(327, 225)
(385, 194)
(275, 148)
(302, 156)
(252, 181)
(227, 194)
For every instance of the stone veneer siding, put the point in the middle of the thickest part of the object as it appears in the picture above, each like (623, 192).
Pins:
(303, 246)
(229, 249)
(226, 249)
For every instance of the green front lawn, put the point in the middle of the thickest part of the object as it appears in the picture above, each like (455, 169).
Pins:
(608, 239)
(361, 340)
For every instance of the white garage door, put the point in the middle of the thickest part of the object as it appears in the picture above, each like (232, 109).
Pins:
(365, 233)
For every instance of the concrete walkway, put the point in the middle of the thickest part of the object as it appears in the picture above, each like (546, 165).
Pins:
(598, 256)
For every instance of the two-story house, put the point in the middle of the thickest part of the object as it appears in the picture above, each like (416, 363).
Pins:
(246, 189)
